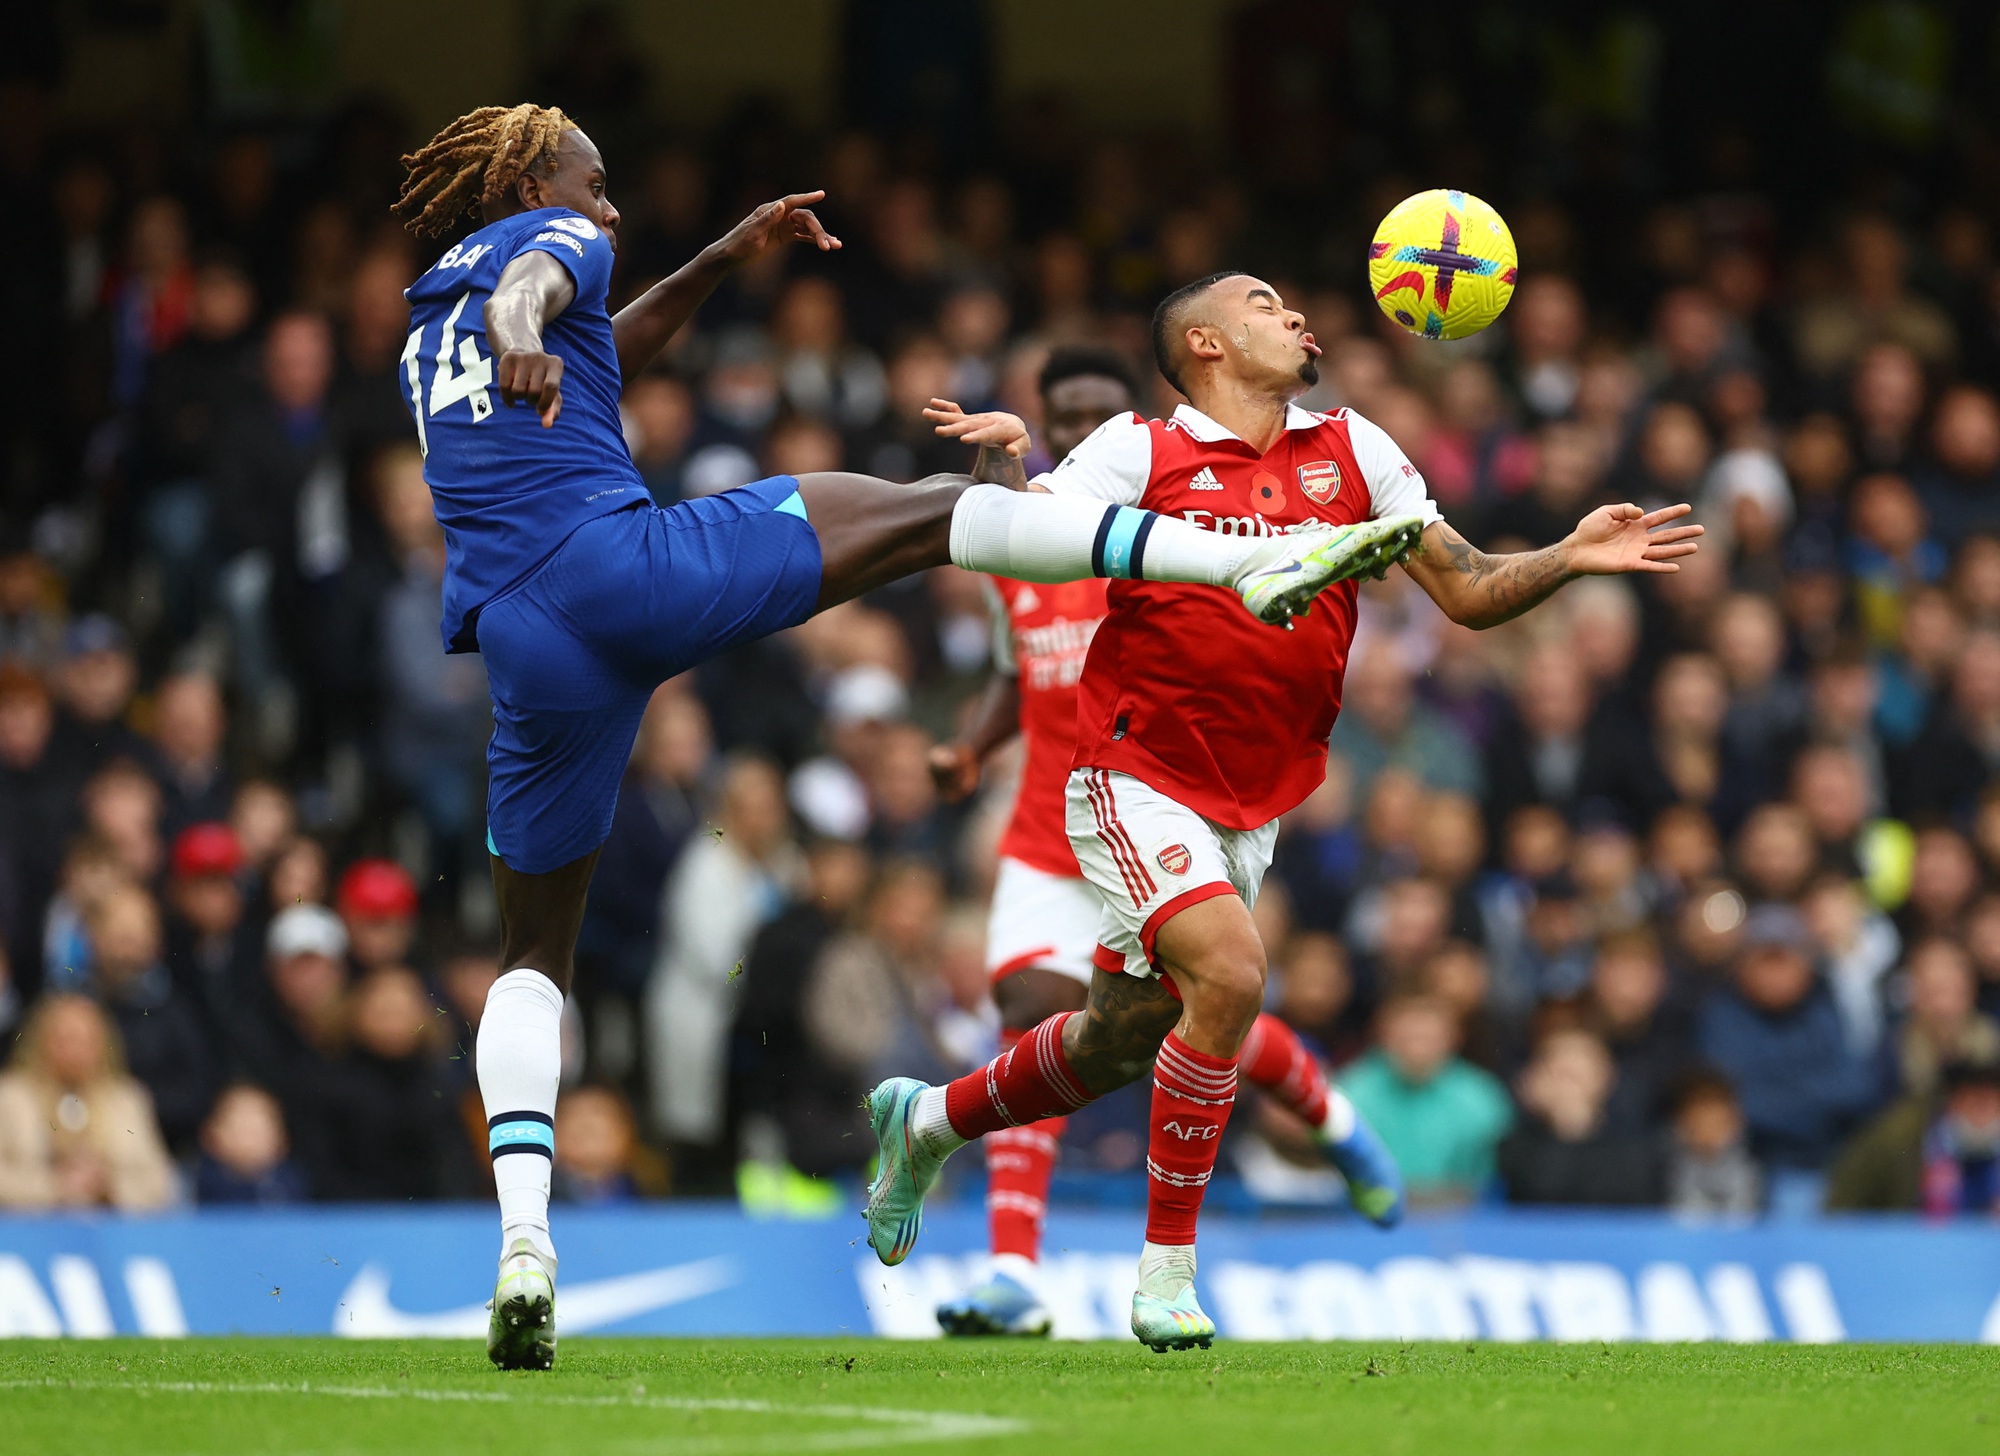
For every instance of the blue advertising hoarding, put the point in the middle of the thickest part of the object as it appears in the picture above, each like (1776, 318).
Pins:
(692, 1269)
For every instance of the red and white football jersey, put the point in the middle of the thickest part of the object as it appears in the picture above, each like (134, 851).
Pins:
(1048, 632)
(1183, 689)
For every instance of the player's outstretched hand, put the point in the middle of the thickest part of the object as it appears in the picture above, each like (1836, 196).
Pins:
(1613, 539)
(532, 378)
(788, 220)
(995, 429)
(955, 771)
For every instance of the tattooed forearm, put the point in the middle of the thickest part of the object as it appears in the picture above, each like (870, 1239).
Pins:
(1483, 591)
(1119, 1033)
(997, 467)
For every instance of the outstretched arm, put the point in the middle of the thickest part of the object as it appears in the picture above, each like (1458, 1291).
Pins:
(532, 290)
(643, 327)
(1478, 590)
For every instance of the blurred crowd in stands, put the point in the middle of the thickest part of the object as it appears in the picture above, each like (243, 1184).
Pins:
(1681, 892)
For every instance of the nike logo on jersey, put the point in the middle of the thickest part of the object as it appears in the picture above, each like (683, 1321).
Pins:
(1204, 479)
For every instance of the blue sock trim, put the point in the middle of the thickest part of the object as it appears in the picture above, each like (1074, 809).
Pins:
(794, 505)
(521, 1132)
(1115, 552)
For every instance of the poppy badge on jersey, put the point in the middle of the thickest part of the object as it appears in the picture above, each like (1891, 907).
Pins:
(1267, 492)
(1175, 859)
(1320, 480)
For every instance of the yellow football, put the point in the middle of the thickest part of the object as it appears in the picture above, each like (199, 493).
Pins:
(1442, 264)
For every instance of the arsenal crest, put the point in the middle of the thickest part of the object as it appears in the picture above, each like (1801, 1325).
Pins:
(1320, 480)
(1175, 859)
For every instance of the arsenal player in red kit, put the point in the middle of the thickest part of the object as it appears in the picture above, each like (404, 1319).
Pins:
(1193, 737)
(1042, 931)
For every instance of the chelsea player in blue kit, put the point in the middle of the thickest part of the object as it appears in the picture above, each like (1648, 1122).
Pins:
(583, 596)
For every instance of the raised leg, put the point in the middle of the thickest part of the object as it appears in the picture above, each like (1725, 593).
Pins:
(872, 532)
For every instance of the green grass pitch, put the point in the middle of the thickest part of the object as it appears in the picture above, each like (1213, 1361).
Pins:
(609, 1397)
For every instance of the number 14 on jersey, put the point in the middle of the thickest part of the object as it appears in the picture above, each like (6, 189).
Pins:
(469, 380)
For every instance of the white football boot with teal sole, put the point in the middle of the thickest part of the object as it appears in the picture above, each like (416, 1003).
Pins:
(904, 1171)
(1171, 1324)
(521, 1332)
(1003, 1305)
(1279, 583)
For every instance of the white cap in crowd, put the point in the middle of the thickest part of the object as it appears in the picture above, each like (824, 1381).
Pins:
(306, 930)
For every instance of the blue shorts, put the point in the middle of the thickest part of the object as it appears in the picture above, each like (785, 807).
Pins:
(574, 652)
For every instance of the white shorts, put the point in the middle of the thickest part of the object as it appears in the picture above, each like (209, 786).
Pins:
(1041, 920)
(1149, 858)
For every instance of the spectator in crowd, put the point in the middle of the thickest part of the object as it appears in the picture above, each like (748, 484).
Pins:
(1648, 1034)
(211, 945)
(36, 805)
(95, 684)
(377, 901)
(1382, 723)
(435, 713)
(1561, 1150)
(389, 1132)
(76, 1132)
(732, 880)
(1858, 946)
(660, 415)
(1960, 488)
(1938, 1152)
(877, 998)
(188, 730)
(278, 452)
(1775, 1033)
(597, 1149)
(784, 1078)
(1709, 1168)
(1440, 1116)
(289, 1038)
(656, 816)
(1943, 1023)
(199, 383)
(245, 1152)
(160, 1026)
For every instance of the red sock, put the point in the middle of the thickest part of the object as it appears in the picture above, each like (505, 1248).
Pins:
(1192, 1093)
(1029, 1081)
(1274, 1060)
(1019, 1161)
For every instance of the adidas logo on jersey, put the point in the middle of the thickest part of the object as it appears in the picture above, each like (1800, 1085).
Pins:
(1204, 479)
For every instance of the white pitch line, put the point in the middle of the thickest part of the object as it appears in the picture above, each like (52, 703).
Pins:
(918, 1425)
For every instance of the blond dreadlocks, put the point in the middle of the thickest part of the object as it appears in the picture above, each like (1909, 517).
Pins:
(474, 160)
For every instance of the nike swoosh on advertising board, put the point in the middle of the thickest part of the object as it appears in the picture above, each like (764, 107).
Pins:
(366, 1313)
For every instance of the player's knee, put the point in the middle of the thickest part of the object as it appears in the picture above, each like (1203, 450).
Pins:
(1228, 983)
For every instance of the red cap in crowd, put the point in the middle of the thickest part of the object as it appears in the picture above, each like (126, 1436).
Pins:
(376, 889)
(206, 849)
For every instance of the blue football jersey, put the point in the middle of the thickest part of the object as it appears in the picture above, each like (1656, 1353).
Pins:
(507, 491)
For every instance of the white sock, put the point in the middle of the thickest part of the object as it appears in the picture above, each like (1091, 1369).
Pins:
(929, 1125)
(519, 1056)
(1338, 1124)
(1165, 1269)
(1017, 1267)
(1051, 538)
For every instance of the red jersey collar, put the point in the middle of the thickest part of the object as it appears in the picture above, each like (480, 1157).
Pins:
(1209, 432)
